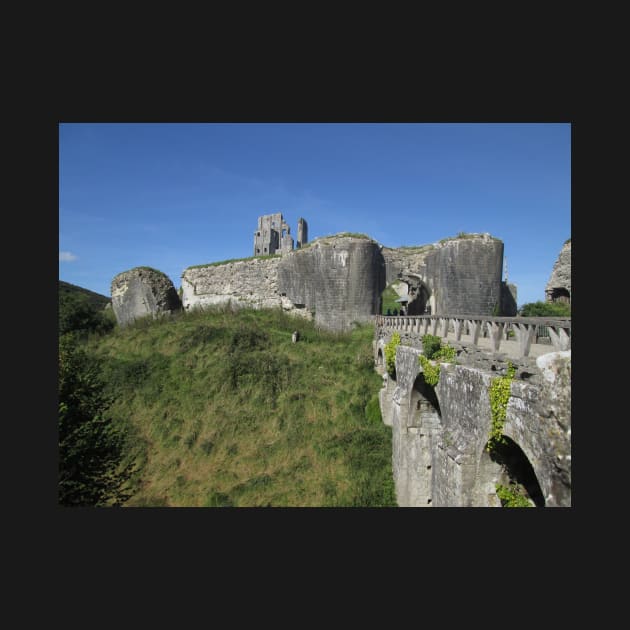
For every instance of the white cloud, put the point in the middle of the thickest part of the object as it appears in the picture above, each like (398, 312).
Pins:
(66, 257)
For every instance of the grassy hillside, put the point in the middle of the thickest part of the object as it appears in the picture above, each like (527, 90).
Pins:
(226, 411)
(95, 300)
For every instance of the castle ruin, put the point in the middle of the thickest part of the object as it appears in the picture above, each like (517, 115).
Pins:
(273, 235)
(558, 288)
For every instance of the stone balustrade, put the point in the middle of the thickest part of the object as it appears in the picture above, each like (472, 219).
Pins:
(470, 329)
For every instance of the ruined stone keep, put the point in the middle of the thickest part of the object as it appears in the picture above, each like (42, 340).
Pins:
(273, 235)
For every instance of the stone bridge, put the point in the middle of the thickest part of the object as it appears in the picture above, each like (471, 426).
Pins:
(440, 433)
(517, 336)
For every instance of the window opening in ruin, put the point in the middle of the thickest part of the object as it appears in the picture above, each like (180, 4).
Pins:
(561, 295)
(517, 470)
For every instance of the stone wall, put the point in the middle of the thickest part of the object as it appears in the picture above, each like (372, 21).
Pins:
(465, 275)
(509, 300)
(462, 274)
(440, 434)
(142, 292)
(340, 279)
(249, 283)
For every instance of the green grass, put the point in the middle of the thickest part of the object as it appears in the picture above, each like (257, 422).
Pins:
(465, 235)
(230, 260)
(225, 410)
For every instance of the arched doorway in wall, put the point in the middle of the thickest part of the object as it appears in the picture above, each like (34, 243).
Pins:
(391, 294)
(508, 467)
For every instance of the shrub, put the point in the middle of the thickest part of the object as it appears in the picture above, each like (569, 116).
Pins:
(431, 344)
(446, 354)
(545, 309)
(91, 447)
(512, 496)
(77, 315)
(431, 372)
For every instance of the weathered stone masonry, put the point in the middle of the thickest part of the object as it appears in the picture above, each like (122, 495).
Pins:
(339, 280)
(440, 434)
(142, 292)
(249, 283)
(457, 275)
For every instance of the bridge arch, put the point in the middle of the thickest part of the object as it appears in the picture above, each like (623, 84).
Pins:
(506, 465)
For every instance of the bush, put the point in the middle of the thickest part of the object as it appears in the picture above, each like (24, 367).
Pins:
(91, 447)
(77, 315)
(512, 496)
(545, 309)
(431, 344)
(445, 354)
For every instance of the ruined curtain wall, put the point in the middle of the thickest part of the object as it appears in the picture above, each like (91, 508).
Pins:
(252, 283)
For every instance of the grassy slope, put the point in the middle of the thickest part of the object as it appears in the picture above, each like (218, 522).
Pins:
(226, 410)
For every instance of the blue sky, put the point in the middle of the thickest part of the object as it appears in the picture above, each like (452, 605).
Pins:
(174, 195)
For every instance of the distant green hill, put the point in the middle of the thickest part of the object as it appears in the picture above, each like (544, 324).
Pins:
(82, 312)
(224, 410)
(95, 300)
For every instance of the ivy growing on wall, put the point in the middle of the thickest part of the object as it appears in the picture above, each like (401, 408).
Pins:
(390, 353)
(434, 349)
(431, 372)
(499, 393)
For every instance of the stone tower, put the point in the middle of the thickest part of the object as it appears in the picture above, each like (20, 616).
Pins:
(272, 236)
(302, 233)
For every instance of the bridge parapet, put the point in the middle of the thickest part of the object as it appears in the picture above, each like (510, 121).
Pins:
(471, 330)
